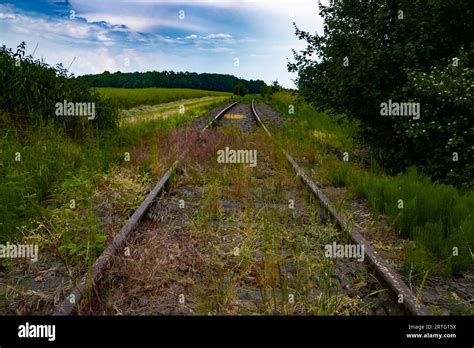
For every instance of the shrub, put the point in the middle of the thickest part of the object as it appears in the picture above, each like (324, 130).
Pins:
(441, 142)
(31, 89)
(375, 51)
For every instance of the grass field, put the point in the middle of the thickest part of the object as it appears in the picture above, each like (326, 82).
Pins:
(126, 98)
(150, 112)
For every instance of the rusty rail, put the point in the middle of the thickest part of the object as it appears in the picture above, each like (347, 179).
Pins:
(73, 300)
(388, 274)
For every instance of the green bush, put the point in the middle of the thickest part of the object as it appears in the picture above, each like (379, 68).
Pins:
(375, 51)
(441, 141)
(31, 89)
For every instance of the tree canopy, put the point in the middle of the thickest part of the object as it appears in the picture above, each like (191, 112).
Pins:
(407, 51)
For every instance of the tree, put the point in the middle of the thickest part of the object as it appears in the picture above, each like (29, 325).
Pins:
(276, 86)
(375, 51)
(240, 89)
(265, 91)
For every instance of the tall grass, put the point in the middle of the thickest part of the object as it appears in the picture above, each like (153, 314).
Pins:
(49, 157)
(438, 217)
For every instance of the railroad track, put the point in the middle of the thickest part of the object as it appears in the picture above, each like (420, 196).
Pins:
(160, 222)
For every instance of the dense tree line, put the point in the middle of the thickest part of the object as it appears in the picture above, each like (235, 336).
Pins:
(403, 51)
(171, 79)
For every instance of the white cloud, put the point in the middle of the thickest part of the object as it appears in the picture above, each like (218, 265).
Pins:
(191, 37)
(68, 28)
(304, 12)
(141, 23)
(106, 32)
(219, 36)
(7, 16)
(97, 61)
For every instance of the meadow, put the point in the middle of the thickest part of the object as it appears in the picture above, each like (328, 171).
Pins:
(150, 112)
(127, 98)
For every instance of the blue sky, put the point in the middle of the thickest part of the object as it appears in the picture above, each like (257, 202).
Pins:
(251, 39)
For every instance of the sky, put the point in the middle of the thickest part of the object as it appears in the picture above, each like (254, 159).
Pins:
(251, 39)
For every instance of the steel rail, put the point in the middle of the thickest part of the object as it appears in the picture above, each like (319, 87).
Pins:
(388, 274)
(73, 300)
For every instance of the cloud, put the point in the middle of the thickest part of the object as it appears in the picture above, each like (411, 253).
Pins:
(150, 34)
(7, 16)
(75, 30)
(68, 28)
(142, 23)
(303, 12)
(219, 36)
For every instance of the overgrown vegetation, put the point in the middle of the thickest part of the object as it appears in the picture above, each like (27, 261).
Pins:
(267, 91)
(437, 216)
(373, 52)
(240, 90)
(31, 89)
(51, 169)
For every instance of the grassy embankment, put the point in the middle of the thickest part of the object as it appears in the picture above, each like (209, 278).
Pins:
(438, 217)
(50, 195)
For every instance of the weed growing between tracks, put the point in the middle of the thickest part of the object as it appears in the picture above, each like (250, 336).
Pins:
(438, 217)
(253, 254)
(69, 197)
(424, 228)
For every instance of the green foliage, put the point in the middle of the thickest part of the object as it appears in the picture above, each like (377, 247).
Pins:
(372, 52)
(336, 131)
(240, 90)
(171, 79)
(47, 155)
(437, 216)
(51, 159)
(276, 87)
(418, 259)
(127, 98)
(82, 237)
(31, 89)
(266, 91)
(441, 142)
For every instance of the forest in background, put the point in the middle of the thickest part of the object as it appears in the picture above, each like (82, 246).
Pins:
(171, 79)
